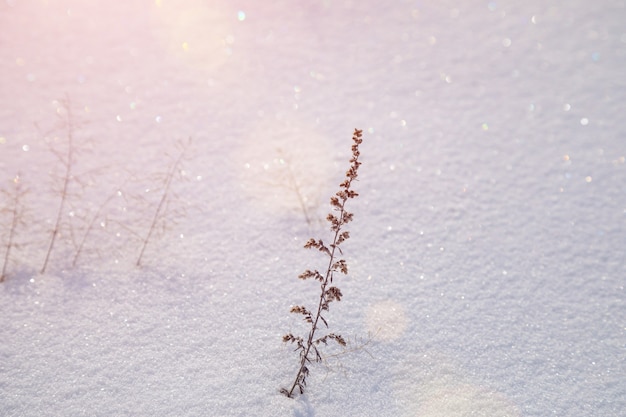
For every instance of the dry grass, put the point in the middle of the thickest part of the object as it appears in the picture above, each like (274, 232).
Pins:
(15, 211)
(67, 159)
(308, 347)
(162, 211)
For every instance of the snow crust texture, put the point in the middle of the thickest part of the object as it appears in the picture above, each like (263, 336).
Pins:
(487, 253)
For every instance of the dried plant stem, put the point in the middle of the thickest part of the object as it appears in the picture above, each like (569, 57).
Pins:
(308, 348)
(68, 161)
(15, 212)
(309, 343)
(162, 202)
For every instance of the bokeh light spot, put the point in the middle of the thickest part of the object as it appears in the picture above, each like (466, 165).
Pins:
(194, 31)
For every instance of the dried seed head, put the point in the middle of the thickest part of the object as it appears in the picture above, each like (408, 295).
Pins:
(299, 309)
(310, 274)
(341, 266)
(333, 293)
(311, 243)
(343, 236)
(340, 340)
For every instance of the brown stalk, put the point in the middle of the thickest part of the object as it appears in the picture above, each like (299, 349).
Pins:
(328, 293)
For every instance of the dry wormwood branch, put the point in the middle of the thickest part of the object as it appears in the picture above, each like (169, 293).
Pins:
(308, 348)
(15, 211)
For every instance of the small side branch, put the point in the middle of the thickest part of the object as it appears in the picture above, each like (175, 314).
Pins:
(90, 227)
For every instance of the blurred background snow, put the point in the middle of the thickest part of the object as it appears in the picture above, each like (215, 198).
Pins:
(487, 255)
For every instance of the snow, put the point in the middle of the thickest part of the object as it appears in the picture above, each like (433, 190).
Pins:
(487, 257)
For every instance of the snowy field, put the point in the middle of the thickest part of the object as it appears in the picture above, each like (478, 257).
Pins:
(487, 258)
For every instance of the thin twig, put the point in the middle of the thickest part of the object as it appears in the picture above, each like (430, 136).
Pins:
(68, 161)
(15, 213)
(163, 201)
(90, 226)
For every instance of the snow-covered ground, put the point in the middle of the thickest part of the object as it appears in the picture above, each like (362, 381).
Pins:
(487, 258)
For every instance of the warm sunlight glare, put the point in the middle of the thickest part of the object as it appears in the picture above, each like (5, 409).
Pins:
(445, 399)
(198, 33)
(434, 385)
